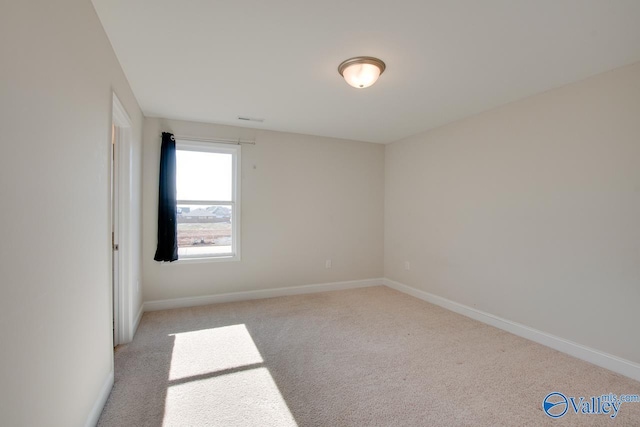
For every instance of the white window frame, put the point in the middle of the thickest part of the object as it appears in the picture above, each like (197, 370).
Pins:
(235, 151)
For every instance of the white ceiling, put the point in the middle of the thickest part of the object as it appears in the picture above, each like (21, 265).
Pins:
(215, 60)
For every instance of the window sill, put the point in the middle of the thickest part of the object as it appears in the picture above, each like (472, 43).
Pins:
(203, 260)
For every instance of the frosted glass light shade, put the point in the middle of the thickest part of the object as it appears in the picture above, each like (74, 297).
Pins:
(361, 72)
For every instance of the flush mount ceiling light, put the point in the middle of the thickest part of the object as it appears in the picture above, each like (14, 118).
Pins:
(361, 71)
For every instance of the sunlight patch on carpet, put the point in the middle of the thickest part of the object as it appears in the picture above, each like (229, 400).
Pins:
(217, 378)
(238, 399)
(212, 350)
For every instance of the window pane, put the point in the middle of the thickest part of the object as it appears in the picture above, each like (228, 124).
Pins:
(204, 176)
(204, 230)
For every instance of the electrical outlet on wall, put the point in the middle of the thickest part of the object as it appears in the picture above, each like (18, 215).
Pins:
(327, 264)
(407, 265)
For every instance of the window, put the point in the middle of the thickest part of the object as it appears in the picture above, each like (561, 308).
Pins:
(208, 193)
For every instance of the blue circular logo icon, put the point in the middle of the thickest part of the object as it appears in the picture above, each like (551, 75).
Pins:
(555, 404)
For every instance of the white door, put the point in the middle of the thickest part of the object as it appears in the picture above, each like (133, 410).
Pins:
(115, 274)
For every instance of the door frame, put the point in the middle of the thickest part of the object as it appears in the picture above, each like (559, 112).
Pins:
(122, 260)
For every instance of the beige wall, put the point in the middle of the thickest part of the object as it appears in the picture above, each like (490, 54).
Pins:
(56, 80)
(530, 212)
(305, 199)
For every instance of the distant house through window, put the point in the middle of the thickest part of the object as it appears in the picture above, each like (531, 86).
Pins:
(208, 193)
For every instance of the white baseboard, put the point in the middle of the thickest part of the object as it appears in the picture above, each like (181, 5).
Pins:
(94, 415)
(599, 358)
(136, 322)
(250, 295)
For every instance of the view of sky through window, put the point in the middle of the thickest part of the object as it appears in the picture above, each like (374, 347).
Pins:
(203, 176)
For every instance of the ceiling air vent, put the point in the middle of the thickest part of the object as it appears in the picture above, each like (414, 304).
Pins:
(250, 119)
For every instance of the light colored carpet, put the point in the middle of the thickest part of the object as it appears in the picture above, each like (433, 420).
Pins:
(365, 357)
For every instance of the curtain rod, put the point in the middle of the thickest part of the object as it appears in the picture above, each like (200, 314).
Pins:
(216, 140)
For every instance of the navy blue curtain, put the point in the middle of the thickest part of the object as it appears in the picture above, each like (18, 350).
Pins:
(167, 206)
